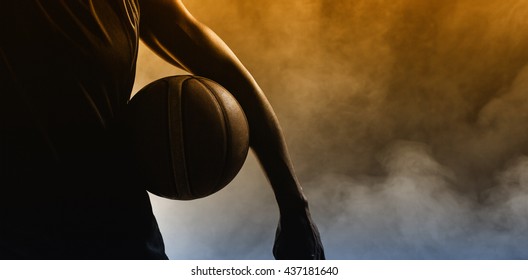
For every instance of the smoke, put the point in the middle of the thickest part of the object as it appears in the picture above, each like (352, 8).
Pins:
(406, 121)
(413, 212)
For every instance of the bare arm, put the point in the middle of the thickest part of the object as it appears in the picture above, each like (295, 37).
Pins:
(174, 34)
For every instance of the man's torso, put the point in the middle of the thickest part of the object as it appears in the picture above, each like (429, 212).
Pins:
(66, 72)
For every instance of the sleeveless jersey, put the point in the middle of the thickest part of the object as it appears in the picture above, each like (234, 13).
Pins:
(67, 186)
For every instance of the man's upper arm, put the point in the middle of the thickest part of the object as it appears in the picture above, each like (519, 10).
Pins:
(174, 34)
(162, 24)
(157, 13)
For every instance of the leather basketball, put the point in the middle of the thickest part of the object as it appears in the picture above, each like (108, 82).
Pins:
(189, 136)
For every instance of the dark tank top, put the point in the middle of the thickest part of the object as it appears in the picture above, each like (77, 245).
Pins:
(67, 185)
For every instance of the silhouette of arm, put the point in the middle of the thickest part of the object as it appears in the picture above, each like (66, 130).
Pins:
(175, 35)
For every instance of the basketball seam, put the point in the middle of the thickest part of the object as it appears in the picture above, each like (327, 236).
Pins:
(171, 136)
(179, 179)
(228, 134)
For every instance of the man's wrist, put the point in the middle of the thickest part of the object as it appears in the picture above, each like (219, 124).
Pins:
(294, 206)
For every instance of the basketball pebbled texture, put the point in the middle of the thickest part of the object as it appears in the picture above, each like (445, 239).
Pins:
(189, 135)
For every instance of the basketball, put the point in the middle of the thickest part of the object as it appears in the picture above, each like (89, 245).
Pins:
(189, 136)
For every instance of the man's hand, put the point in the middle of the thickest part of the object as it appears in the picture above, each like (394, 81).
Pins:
(297, 238)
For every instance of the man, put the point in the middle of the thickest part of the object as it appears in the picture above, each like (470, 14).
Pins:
(67, 70)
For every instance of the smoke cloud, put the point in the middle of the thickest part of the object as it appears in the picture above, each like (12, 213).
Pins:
(406, 121)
